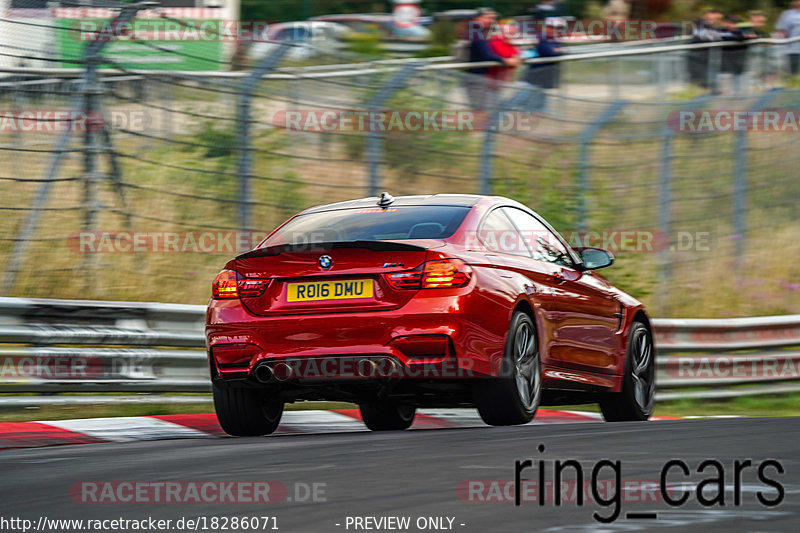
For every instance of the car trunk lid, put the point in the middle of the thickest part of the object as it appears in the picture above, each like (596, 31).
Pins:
(329, 277)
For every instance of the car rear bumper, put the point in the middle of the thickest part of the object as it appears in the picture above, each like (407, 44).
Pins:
(432, 336)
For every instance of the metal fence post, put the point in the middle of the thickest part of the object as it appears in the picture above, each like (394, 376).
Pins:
(740, 180)
(661, 75)
(527, 98)
(487, 151)
(243, 119)
(714, 64)
(616, 74)
(167, 101)
(92, 176)
(80, 102)
(665, 218)
(585, 140)
(19, 105)
(374, 138)
(487, 148)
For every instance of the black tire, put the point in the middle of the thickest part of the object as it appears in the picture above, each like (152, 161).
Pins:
(513, 397)
(636, 401)
(246, 412)
(387, 416)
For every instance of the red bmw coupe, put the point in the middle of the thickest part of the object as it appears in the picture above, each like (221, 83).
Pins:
(423, 301)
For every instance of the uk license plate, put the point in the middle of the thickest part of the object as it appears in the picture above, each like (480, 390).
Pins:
(330, 290)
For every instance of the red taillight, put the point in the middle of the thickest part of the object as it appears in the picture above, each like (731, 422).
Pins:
(405, 280)
(224, 285)
(438, 274)
(250, 288)
(230, 284)
(446, 273)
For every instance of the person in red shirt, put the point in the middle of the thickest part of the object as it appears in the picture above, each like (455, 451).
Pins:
(500, 44)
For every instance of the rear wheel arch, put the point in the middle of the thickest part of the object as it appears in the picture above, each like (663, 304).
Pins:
(636, 399)
(529, 307)
(513, 396)
(641, 316)
(525, 306)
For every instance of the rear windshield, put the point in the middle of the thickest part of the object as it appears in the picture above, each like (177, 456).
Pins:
(371, 224)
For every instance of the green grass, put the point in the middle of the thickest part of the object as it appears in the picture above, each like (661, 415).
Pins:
(58, 412)
(752, 406)
(746, 406)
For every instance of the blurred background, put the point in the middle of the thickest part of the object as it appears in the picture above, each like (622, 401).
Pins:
(182, 136)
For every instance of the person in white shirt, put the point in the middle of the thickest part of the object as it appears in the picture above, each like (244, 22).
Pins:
(788, 26)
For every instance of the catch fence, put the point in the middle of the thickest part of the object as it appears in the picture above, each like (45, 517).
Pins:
(702, 223)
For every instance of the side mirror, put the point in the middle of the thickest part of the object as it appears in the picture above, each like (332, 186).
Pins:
(594, 258)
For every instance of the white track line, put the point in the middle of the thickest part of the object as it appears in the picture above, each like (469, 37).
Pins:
(320, 422)
(130, 428)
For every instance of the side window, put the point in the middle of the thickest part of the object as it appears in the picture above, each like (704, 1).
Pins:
(498, 234)
(296, 34)
(544, 244)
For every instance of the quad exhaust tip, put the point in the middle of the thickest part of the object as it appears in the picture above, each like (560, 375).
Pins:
(388, 367)
(367, 368)
(264, 374)
(282, 371)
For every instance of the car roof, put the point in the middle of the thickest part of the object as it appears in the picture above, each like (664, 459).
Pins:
(368, 17)
(306, 24)
(462, 200)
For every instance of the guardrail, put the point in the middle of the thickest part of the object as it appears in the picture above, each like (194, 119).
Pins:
(51, 349)
(635, 48)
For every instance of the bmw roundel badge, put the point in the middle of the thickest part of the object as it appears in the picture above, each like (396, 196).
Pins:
(325, 261)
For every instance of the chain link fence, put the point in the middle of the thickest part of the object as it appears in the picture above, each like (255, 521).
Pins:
(140, 184)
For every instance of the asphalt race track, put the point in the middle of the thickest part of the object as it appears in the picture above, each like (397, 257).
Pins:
(420, 474)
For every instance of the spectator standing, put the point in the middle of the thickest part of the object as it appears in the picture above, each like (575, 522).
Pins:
(547, 75)
(753, 28)
(546, 9)
(706, 30)
(617, 10)
(481, 29)
(733, 57)
(501, 45)
(788, 26)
